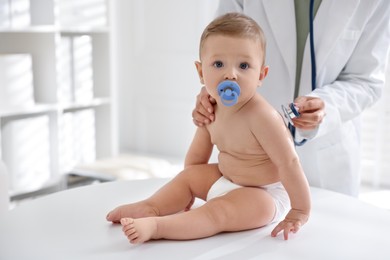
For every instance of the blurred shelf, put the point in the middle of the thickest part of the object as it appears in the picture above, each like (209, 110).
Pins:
(68, 42)
(39, 109)
(53, 185)
(81, 30)
(30, 29)
(66, 107)
(32, 110)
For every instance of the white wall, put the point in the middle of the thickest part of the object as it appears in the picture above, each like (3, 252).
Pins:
(155, 46)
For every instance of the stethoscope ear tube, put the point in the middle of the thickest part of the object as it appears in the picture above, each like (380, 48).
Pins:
(313, 76)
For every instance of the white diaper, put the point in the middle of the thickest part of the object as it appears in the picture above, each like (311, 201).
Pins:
(276, 190)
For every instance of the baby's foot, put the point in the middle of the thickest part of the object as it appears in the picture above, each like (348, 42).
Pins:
(139, 230)
(135, 210)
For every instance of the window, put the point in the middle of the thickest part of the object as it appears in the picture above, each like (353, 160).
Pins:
(375, 140)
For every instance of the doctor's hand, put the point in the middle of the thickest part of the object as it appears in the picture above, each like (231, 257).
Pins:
(203, 113)
(312, 110)
(292, 223)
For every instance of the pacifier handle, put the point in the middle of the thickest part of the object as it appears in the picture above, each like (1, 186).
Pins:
(229, 91)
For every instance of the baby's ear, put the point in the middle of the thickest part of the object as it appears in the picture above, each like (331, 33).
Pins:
(198, 66)
(263, 72)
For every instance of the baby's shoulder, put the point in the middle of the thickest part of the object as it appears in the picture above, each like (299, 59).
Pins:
(261, 107)
(262, 112)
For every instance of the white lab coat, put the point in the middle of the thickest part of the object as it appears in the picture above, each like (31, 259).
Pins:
(352, 40)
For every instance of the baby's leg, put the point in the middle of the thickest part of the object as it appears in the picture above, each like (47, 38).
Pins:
(241, 209)
(139, 209)
(194, 181)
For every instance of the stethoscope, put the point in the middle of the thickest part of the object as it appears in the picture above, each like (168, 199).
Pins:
(291, 111)
(230, 90)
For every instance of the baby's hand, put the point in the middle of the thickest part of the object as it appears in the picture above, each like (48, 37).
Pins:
(292, 223)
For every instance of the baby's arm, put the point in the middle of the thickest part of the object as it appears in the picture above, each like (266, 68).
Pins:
(295, 183)
(199, 152)
(276, 140)
(200, 149)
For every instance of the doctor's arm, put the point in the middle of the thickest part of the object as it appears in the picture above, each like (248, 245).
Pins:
(360, 82)
(227, 6)
(312, 112)
(203, 112)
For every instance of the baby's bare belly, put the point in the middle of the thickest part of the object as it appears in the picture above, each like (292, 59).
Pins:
(247, 172)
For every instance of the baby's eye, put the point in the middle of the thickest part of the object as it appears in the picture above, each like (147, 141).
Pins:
(218, 64)
(244, 66)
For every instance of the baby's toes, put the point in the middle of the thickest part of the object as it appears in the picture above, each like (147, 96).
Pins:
(126, 221)
(134, 238)
(128, 228)
(114, 215)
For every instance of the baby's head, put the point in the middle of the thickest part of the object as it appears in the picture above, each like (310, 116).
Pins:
(232, 50)
(234, 25)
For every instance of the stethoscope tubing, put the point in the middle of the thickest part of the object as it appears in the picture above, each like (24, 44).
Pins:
(313, 67)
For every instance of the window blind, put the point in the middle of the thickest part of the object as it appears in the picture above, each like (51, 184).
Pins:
(375, 140)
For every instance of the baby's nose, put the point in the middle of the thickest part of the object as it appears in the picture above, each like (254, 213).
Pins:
(230, 75)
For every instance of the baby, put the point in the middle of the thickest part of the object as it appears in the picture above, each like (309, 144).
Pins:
(258, 179)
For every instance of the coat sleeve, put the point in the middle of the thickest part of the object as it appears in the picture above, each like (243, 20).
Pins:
(360, 83)
(227, 6)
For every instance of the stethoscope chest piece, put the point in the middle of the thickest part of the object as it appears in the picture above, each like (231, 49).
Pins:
(290, 112)
(229, 91)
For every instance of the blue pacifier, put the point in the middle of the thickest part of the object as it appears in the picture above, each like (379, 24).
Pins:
(229, 91)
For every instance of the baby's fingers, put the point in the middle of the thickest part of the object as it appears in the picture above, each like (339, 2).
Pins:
(286, 227)
(278, 228)
(297, 226)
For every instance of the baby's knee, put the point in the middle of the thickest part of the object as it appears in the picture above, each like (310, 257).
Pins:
(220, 212)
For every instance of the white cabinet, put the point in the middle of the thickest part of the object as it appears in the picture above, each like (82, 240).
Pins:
(56, 108)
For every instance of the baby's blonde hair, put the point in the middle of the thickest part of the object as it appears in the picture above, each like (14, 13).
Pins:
(234, 25)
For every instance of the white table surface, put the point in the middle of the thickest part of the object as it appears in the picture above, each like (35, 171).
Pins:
(71, 225)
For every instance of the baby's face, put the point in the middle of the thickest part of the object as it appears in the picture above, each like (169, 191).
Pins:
(231, 58)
